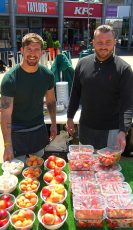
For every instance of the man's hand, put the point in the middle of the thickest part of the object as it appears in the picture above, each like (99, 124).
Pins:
(8, 153)
(53, 132)
(121, 140)
(70, 126)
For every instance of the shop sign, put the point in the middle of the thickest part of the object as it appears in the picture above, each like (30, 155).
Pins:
(78, 9)
(3, 6)
(111, 11)
(36, 7)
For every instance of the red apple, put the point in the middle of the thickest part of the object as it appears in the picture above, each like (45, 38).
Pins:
(51, 164)
(60, 209)
(57, 219)
(3, 204)
(48, 218)
(52, 158)
(3, 222)
(46, 192)
(5, 197)
(60, 162)
(57, 171)
(47, 208)
(48, 177)
(3, 214)
(59, 179)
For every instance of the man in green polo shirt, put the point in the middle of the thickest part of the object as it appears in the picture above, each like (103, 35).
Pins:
(23, 89)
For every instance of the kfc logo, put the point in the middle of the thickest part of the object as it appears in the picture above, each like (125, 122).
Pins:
(83, 11)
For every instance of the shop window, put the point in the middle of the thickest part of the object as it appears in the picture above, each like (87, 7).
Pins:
(22, 22)
(4, 22)
(35, 22)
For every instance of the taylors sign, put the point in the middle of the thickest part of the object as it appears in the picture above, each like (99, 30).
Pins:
(83, 10)
(35, 7)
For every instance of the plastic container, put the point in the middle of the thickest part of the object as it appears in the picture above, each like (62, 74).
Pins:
(14, 166)
(27, 200)
(119, 206)
(8, 182)
(109, 177)
(34, 160)
(99, 167)
(32, 172)
(120, 223)
(9, 199)
(109, 155)
(81, 149)
(89, 207)
(99, 223)
(27, 219)
(84, 188)
(83, 161)
(50, 178)
(53, 193)
(59, 162)
(115, 188)
(29, 184)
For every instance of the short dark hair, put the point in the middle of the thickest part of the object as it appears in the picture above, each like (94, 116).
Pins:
(32, 37)
(104, 29)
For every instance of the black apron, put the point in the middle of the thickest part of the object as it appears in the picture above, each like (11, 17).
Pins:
(28, 141)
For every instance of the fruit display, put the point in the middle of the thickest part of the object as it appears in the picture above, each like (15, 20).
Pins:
(52, 216)
(54, 193)
(54, 161)
(54, 177)
(111, 168)
(32, 172)
(115, 188)
(109, 155)
(34, 160)
(120, 223)
(4, 219)
(119, 206)
(13, 167)
(7, 201)
(8, 182)
(81, 161)
(109, 177)
(27, 200)
(84, 188)
(88, 207)
(22, 219)
(29, 184)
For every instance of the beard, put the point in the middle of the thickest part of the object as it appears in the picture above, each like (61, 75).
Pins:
(103, 54)
(32, 62)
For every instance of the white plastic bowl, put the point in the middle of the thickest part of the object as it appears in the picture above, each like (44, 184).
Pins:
(12, 199)
(32, 207)
(14, 166)
(42, 160)
(28, 227)
(54, 226)
(52, 186)
(32, 190)
(33, 169)
(8, 182)
(63, 173)
(7, 224)
(45, 164)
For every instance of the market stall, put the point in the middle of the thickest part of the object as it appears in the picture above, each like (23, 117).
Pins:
(126, 165)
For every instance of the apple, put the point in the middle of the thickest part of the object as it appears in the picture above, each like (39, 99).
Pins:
(46, 192)
(57, 219)
(60, 209)
(5, 197)
(47, 208)
(55, 197)
(47, 177)
(48, 218)
(51, 164)
(60, 162)
(3, 204)
(59, 179)
(3, 214)
(57, 171)
(3, 222)
(52, 158)
(59, 188)
(9, 204)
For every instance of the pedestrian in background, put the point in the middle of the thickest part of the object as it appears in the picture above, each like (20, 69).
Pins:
(103, 84)
(23, 89)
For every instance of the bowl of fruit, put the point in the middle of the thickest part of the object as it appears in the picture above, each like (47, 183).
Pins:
(8, 182)
(32, 172)
(109, 155)
(34, 160)
(53, 193)
(52, 216)
(56, 176)
(54, 161)
(22, 219)
(7, 201)
(4, 219)
(27, 200)
(29, 184)
(14, 166)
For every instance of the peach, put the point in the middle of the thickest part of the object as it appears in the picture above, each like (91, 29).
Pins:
(48, 177)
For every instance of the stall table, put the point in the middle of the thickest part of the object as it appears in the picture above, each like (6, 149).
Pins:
(127, 170)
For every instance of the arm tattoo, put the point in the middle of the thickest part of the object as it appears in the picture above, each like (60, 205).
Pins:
(6, 102)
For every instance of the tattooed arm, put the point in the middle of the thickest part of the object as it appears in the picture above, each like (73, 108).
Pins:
(51, 105)
(6, 113)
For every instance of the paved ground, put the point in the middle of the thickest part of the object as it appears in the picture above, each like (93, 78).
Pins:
(125, 55)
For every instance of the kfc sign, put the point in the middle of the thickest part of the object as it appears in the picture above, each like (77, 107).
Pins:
(79, 9)
(35, 7)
